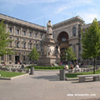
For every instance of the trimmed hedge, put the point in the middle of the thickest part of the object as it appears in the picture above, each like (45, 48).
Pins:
(46, 67)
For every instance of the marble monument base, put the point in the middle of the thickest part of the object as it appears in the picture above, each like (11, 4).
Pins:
(48, 61)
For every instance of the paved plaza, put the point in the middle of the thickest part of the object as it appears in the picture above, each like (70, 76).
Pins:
(45, 85)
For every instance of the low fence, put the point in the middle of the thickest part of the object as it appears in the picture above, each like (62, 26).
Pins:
(63, 71)
(14, 69)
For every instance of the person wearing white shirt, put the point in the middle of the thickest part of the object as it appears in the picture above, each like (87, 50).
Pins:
(77, 66)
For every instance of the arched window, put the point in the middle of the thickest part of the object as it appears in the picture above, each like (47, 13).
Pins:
(24, 45)
(17, 45)
(35, 35)
(24, 33)
(74, 31)
(17, 31)
(36, 46)
(30, 45)
(63, 39)
(30, 34)
(41, 36)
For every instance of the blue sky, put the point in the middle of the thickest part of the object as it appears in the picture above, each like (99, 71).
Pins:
(40, 11)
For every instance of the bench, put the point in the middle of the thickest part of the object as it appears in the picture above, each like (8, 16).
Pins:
(82, 78)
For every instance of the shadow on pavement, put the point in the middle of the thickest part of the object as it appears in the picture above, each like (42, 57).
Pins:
(83, 82)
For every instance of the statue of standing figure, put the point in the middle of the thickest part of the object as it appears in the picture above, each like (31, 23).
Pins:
(49, 29)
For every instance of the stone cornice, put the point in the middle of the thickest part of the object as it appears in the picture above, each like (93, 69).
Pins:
(69, 21)
(21, 22)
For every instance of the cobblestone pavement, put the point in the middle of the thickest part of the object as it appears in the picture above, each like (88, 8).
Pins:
(45, 85)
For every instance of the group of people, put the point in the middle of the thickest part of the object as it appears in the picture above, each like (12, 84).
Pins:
(71, 66)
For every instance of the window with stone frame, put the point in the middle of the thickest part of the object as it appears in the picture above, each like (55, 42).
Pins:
(17, 44)
(74, 31)
(35, 35)
(10, 57)
(10, 30)
(30, 34)
(23, 58)
(41, 36)
(24, 45)
(24, 32)
(36, 46)
(18, 39)
(30, 45)
(17, 31)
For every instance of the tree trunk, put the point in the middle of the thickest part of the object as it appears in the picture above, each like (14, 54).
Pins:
(94, 67)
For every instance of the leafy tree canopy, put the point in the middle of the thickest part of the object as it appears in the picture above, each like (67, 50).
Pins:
(70, 55)
(34, 54)
(4, 40)
(91, 41)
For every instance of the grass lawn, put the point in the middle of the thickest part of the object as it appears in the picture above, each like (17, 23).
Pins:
(9, 74)
(74, 75)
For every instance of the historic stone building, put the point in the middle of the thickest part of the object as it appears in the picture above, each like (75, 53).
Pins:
(67, 33)
(25, 35)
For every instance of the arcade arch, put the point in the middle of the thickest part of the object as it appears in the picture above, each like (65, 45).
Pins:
(63, 43)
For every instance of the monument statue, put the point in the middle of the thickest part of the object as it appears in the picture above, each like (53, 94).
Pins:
(50, 53)
(49, 29)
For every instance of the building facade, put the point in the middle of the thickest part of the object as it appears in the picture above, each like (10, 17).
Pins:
(26, 35)
(67, 34)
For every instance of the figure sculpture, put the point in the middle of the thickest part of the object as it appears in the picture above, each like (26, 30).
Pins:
(48, 51)
(49, 29)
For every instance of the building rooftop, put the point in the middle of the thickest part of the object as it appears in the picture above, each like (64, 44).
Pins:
(21, 22)
(71, 20)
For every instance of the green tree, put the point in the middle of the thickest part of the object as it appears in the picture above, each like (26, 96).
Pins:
(91, 41)
(34, 54)
(70, 55)
(4, 40)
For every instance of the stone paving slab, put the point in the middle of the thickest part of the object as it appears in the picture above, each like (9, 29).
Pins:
(45, 85)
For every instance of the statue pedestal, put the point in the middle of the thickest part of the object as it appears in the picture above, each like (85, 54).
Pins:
(48, 61)
(50, 54)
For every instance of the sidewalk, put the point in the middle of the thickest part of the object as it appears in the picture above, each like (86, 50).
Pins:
(45, 85)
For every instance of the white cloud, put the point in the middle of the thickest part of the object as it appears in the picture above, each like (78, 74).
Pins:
(89, 17)
(73, 4)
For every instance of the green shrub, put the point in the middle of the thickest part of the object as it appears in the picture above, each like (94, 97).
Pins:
(47, 67)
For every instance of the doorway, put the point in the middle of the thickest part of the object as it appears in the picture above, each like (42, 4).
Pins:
(16, 59)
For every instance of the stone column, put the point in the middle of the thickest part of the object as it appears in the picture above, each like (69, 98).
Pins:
(21, 32)
(77, 47)
(13, 59)
(14, 30)
(21, 57)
